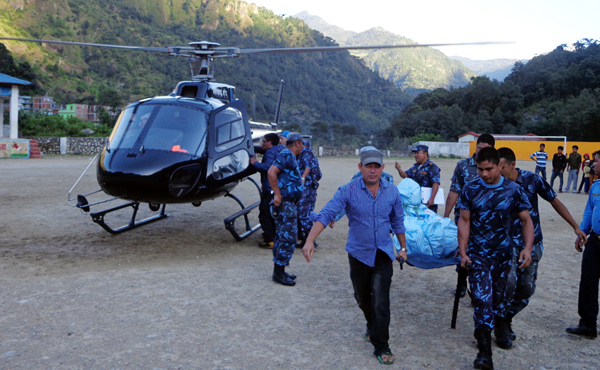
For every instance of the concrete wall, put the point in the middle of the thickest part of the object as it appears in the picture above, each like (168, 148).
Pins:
(5, 130)
(445, 149)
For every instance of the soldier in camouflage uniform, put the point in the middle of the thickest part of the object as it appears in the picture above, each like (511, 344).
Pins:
(465, 172)
(522, 282)
(485, 243)
(311, 174)
(424, 172)
(285, 179)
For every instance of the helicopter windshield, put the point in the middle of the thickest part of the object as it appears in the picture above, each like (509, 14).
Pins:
(161, 127)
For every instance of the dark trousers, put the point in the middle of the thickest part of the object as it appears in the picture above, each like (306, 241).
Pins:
(556, 174)
(488, 278)
(541, 171)
(588, 286)
(372, 293)
(264, 216)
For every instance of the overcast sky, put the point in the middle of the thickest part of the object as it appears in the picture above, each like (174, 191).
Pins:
(535, 26)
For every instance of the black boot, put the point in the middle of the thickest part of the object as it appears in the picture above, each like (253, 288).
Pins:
(484, 344)
(279, 276)
(508, 329)
(501, 332)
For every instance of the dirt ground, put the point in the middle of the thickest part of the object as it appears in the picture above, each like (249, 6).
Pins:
(183, 294)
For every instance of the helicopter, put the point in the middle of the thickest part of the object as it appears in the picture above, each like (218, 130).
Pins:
(188, 147)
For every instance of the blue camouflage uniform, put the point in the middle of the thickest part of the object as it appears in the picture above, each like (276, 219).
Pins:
(464, 172)
(309, 195)
(490, 245)
(425, 175)
(522, 282)
(289, 181)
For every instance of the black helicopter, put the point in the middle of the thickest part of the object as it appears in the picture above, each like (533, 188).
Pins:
(188, 147)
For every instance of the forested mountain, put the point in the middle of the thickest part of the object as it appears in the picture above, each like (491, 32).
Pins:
(495, 69)
(330, 87)
(414, 70)
(554, 94)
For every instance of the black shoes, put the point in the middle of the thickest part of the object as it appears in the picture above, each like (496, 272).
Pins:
(463, 291)
(281, 277)
(583, 332)
(484, 344)
(501, 332)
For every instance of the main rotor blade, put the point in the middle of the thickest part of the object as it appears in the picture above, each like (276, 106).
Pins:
(143, 48)
(340, 48)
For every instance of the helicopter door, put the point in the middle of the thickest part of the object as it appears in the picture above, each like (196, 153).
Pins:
(230, 144)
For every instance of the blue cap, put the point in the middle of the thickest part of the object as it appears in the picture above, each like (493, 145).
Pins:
(285, 134)
(424, 148)
(293, 136)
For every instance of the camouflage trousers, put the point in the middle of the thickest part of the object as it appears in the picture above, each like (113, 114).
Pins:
(305, 207)
(286, 233)
(521, 283)
(488, 278)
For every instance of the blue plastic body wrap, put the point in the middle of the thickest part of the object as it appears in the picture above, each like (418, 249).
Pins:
(431, 241)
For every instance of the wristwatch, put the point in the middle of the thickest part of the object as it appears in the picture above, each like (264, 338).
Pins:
(403, 249)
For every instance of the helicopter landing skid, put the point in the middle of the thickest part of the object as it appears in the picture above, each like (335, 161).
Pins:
(230, 221)
(98, 217)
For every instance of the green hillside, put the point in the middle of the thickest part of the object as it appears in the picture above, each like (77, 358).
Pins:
(330, 87)
(414, 70)
(552, 95)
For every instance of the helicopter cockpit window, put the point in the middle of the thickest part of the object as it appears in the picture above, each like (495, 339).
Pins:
(230, 129)
(165, 127)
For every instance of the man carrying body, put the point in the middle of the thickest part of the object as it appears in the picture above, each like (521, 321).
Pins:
(573, 164)
(284, 178)
(485, 244)
(372, 206)
(465, 172)
(559, 163)
(590, 264)
(540, 161)
(269, 145)
(424, 172)
(522, 282)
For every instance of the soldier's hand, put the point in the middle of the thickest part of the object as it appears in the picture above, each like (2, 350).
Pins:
(277, 200)
(331, 224)
(525, 258)
(253, 160)
(578, 244)
(581, 235)
(464, 259)
(398, 167)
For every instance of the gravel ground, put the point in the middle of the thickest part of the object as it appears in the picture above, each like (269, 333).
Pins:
(182, 294)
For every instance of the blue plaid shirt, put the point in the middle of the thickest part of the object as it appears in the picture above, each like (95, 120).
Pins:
(369, 219)
(492, 208)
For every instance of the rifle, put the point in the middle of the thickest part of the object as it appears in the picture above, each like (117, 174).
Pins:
(462, 282)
